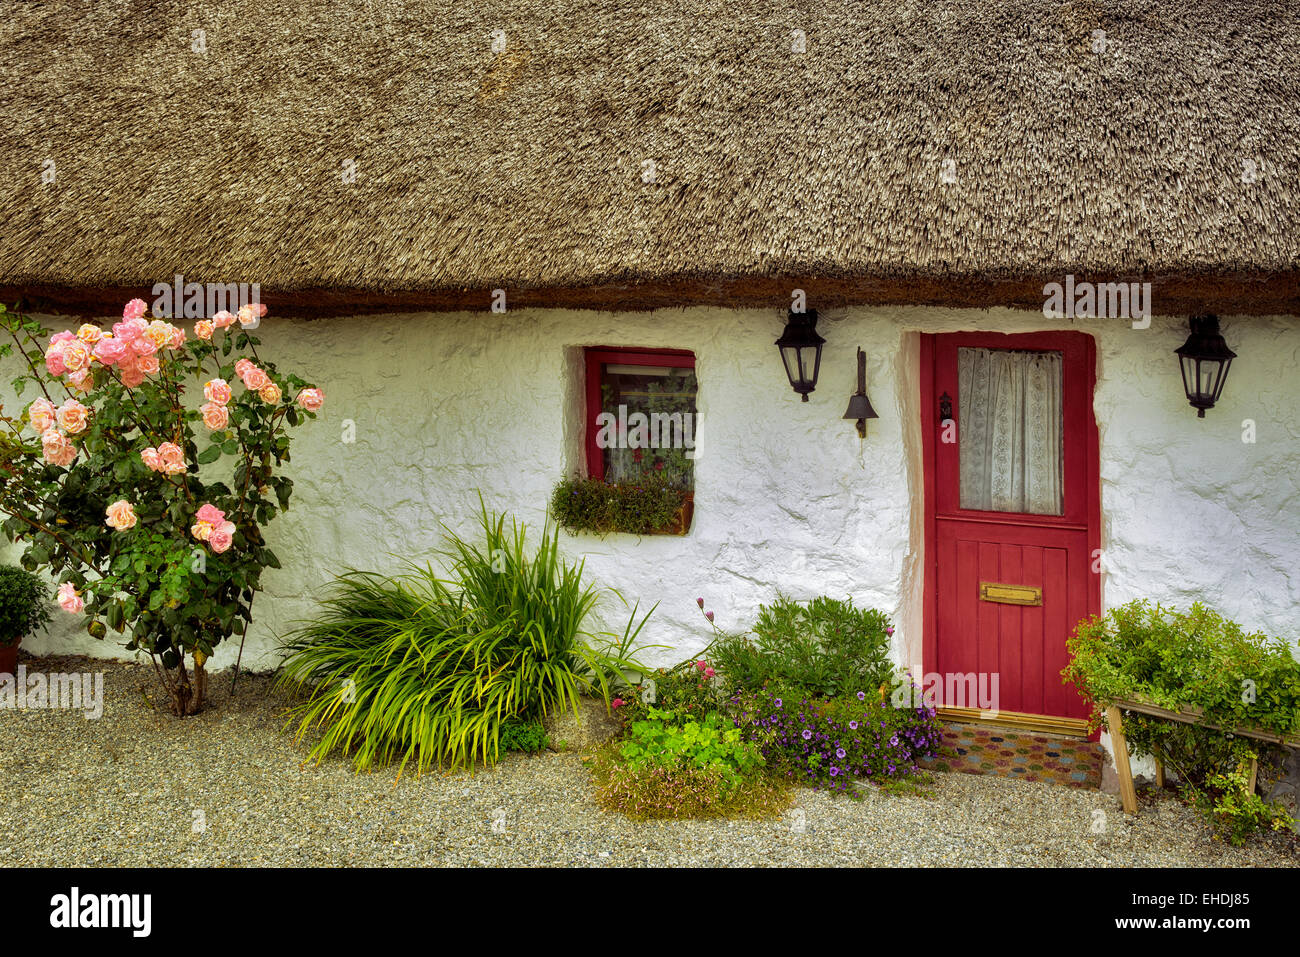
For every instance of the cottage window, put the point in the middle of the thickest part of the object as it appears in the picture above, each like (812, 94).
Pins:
(641, 415)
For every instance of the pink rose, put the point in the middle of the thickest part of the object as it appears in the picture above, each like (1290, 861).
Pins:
(121, 515)
(110, 351)
(132, 376)
(178, 338)
(41, 413)
(152, 460)
(63, 336)
(147, 364)
(214, 416)
(270, 393)
(81, 381)
(72, 417)
(69, 600)
(242, 367)
(58, 450)
(130, 329)
(222, 319)
(203, 329)
(76, 355)
(172, 457)
(54, 360)
(311, 399)
(222, 536)
(211, 514)
(217, 390)
(134, 309)
(143, 346)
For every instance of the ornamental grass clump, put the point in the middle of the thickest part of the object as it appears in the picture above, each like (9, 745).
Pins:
(426, 668)
(143, 481)
(837, 744)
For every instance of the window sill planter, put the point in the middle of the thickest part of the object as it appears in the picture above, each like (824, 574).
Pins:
(649, 508)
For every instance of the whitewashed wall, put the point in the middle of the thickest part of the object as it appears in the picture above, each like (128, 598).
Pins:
(787, 496)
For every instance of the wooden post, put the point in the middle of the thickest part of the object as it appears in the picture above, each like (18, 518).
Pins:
(1125, 773)
(1160, 774)
(1254, 775)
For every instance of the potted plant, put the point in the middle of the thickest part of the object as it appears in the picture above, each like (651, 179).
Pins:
(22, 611)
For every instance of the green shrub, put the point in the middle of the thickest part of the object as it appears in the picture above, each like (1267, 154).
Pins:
(822, 649)
(713, 742)
(1189, 661)
(426, 668)
(23, 606)
(652, 505)
(526, 736)
(687, 691)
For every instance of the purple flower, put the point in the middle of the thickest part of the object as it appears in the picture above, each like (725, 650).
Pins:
(807, 735)
(834, 771)
(777, 702)
(862, 696)
(853, 725)
(839, 753)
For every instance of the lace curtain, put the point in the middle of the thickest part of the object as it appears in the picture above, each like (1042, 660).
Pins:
(1010, 431)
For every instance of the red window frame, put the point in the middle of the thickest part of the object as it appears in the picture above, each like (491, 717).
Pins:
(595, 358)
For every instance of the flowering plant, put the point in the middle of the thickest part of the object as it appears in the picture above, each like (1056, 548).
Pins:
(110, 477)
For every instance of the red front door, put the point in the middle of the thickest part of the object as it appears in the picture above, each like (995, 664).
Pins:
(1012, 513)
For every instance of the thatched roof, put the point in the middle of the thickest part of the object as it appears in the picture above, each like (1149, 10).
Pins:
(919, 151)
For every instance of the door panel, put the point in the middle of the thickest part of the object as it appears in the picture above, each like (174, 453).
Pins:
(1023, 644)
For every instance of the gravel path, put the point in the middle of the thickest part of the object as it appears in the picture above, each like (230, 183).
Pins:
(126, 790)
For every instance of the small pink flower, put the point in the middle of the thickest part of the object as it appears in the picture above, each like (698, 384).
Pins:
(42, 414)
(701, 664)
(121, 515)
(214, 416)
(178, 338)
(69, 600)
(889, 630)
(63, 336)
(617, 703)
(203, 329)
(134, 309)
(222, 536)
(709, 615)
(72, 417)
(709, 672)
(700, 602)
(143, 346)
(222, 319)
(217, 390)
(311, 399)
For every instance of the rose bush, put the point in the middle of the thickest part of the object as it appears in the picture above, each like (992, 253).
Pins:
(112, 477)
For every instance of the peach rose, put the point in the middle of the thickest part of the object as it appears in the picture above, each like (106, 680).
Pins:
(76, 355)
(203, 329)
(242, 367)
(54, 360)
(178, 338)
(247, 316)
(172, 457)
(41, 413)
(159, 333)
(56, 447)
(147, 364)
(152, 460)
(311, 399)
(72, 417)
(121, 515)
(81, 381)
(217, 390)
(214, 416)
(254, 379)
(134, 309)
(69, 600)
(270, 393)
(90, 334)
(222, 319)
(132, 376)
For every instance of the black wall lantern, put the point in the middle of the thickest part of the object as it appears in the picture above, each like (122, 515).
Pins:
(859, 405)
(1204, 359)
(801, 351)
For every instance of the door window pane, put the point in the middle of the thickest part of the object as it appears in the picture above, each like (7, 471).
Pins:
(1010, 443)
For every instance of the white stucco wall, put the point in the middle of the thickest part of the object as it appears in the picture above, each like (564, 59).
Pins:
(787, 497)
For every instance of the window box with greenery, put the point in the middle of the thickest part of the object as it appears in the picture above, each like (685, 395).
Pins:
(23, 609)
(640, 445)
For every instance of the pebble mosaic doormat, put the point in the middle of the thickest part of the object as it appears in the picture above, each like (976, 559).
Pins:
(971, 749)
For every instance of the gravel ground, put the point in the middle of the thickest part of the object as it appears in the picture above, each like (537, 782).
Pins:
(127, 789)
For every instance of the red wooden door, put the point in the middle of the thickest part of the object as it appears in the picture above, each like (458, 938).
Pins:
(1012, 512)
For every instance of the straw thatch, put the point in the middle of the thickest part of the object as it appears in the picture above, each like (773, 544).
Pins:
(919, 151)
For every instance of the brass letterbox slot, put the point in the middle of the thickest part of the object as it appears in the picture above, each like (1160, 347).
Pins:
(1011, 594)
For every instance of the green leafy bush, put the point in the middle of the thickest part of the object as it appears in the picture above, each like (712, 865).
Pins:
(822, 649)
(651, 506)
(688, 691)
(1193, 661)
(23, 606)
(426, 668)
(698, 768)
(527, 736)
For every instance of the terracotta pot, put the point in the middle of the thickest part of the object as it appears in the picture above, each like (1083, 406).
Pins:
(8, 658)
